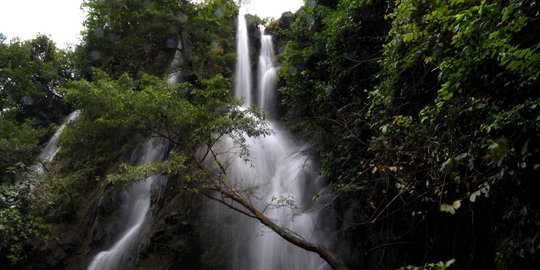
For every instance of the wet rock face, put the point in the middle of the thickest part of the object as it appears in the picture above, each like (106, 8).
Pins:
(72, 244)
(71, 239)
(175, 233)
(170, 237)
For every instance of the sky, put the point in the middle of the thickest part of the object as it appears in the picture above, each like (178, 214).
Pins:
(272, 8)
(62, 19)
(59, 19)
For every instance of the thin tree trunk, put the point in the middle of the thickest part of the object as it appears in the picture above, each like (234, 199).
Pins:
(290, 237)
(227, 189)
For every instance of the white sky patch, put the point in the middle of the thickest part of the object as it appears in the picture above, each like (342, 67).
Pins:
(61, 20)
(272, 8)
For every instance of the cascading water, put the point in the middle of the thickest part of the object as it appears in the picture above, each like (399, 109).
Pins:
(175, 71)
(266, 74)
(136, 201)
(51, 149)
(283, 175)
(242, 78)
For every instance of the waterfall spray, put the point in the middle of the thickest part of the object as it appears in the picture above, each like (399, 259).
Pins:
(284, 177)
(266, 75)
(136, 202)
(242, 78)
(49, 152)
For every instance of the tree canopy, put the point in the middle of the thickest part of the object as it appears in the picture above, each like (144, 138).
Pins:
(30, 74)
(424, 115)
(435, 104)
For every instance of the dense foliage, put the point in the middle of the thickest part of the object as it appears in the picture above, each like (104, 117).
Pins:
(121, 37)
(425, 116)
(434, 133)
(30, 74)
(184, 114)
(20, 226)
(131, 36)
(142, 36)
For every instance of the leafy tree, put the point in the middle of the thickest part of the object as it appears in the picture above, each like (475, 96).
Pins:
(210, 35)
(30, 75)
(191, 118)
(329, 63)
(141, 36)
(130, 35)
(18, 147)
(476, 69)
(20, 228)
(442, 116)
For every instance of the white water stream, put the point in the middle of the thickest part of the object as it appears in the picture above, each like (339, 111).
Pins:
(283, 175)
(267, 75)
(242, 76)
(49, 152)
(136, 201)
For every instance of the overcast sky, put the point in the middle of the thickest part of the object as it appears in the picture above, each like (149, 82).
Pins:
(272, 8)
(62, 19)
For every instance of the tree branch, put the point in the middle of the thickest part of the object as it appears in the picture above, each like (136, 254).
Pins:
(228, 191)
(230, 206)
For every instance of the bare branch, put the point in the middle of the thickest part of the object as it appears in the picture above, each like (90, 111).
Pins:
(230, 206)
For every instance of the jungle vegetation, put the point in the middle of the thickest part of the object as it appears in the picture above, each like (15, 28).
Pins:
(423, 116)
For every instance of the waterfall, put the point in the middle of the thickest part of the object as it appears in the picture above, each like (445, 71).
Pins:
(242, 78)
(136, 201)
(266, 74)
(284, 177)
(175, 72)
(51, 149)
